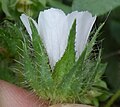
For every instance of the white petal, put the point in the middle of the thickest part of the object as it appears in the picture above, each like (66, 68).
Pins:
(26, 23)
(53, 30)
(84, 21)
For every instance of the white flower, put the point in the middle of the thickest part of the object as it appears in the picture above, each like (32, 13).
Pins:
(54, 27)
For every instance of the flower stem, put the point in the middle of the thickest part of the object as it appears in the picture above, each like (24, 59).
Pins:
(113, 99)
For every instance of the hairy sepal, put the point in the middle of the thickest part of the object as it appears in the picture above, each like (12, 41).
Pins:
(37, 65)
(63, 66)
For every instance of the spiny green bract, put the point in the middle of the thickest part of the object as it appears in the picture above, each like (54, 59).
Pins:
(71, 81)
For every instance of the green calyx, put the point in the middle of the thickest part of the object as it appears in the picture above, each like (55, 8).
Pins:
(70, 81)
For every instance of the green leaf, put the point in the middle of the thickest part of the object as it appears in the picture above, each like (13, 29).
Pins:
(115, 30)
(96, 7)
(11, 37)
(5, 72)
(8, 7)
(5, 7)
(57, 4)
(9, 40)
(63, 66)
(43, 2)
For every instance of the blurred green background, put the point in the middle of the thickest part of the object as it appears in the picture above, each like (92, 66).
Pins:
(107, 11)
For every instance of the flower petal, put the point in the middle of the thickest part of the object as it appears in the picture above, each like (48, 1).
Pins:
(84, 24)
(53, 29)
(26, 23)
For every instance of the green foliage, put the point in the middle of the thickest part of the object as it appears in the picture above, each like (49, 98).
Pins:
(115, 28)
(5, 72)
(111, 51)
(70, 81)
(13, 8)
(7, 5)
(9, 8)
(97, 7)
(59, 5)
(9, 40)
(113, 99)
(43, 2)
(31, 7)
